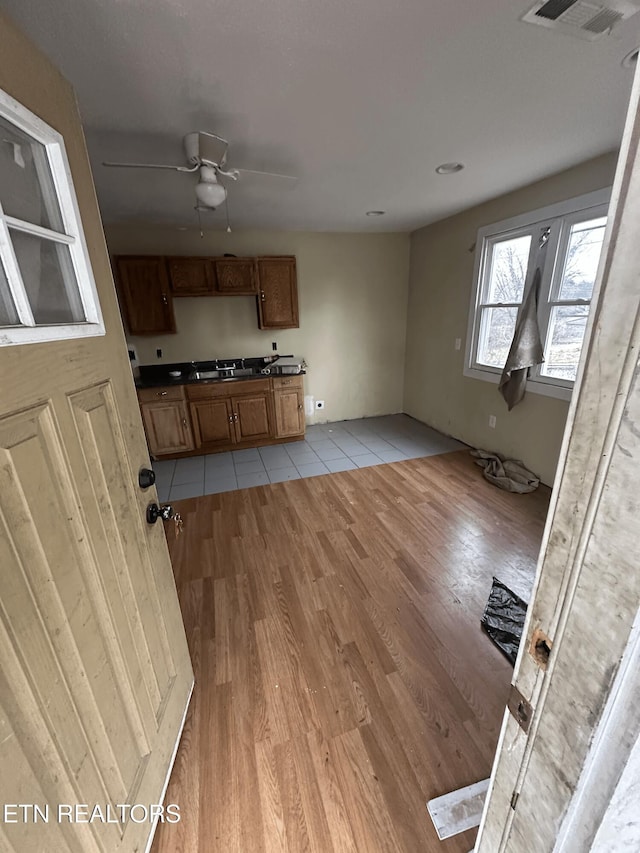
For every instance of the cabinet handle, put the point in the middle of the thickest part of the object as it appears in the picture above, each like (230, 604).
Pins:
(300, 406)
(184, 422)
(161, 394)
(230, 419)
(262, 297)
(235, 417)
(164, 299)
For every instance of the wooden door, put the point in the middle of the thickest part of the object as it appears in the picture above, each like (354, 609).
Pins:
(556, 771)
(192, 276)
(167, 427)
(212, 422)
(143, 285)
(95, 675)
(289, 411)
(251, 417)
(278, 296)
(236, 275)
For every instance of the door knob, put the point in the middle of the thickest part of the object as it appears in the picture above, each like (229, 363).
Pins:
(146, 478)
(154, 512)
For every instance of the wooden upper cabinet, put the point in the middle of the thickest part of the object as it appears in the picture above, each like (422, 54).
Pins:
(145, 298)
(236, 276)
(278, 296)
(192, 276)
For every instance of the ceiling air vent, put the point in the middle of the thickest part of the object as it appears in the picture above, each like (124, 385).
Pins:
(586, 20)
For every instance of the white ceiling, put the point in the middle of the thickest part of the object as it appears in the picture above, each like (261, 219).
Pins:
(360, 99)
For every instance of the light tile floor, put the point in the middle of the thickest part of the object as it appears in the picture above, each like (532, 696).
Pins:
(327, 448)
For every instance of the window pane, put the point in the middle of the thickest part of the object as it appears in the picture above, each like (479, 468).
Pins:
(581, 263)
(509, 260)
(49, 279)
(26, 184)
(8, 313)
(564, 341)
(497, 326)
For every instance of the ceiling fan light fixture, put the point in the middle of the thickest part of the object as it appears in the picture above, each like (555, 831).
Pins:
(210, 194)
(449, 168)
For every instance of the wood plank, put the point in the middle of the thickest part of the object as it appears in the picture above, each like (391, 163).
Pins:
(342, 676)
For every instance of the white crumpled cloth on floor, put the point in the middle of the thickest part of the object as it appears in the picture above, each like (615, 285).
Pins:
(508, 474)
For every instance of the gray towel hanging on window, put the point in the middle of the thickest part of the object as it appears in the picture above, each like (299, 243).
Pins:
(526, 348)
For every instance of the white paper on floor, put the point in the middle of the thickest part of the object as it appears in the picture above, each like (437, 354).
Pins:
(459, 810)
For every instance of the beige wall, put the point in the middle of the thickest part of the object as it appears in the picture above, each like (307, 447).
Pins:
(440, 281)
(352, 291)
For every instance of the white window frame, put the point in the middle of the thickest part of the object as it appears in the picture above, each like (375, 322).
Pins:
(559, 218)
(73, 237)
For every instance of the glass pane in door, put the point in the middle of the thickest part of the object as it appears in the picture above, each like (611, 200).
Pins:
(49, 279)
(28, 191)
(8, 313)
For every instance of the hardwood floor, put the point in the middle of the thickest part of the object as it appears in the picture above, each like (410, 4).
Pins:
(342, 678)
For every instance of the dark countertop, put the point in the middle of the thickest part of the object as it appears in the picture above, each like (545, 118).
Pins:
(157, 375)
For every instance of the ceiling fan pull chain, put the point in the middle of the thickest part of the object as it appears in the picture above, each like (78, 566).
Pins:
(226, 207)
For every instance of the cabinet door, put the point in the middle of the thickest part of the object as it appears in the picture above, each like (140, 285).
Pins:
(236, 275)
(212, 422)
(289, 406)
(167, 427)
(143, 285)
(278, 296)
(251, 417)
(192, 276)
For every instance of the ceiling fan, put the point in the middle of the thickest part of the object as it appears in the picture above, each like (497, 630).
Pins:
(206, 153)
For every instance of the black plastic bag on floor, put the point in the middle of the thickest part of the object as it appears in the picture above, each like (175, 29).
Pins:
(503, 619)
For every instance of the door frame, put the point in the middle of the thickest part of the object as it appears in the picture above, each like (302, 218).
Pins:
(588, 495)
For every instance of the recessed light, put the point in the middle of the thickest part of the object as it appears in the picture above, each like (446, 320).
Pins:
(449, 168)
(375, 212)
(631, 59)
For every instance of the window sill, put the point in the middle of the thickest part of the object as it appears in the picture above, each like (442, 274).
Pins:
(546, 389)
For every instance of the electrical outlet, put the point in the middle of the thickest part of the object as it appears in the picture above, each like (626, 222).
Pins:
(319, 404)
(274, 346)
(458, 343)
(492, 421)
(158, 353)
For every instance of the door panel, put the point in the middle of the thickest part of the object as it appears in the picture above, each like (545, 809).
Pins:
(95, 675)
(253, 420)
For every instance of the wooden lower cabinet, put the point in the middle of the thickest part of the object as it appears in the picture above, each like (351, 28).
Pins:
(251, 417)
(167, 426)
(212, 421)
(206, 418)
(288, 405)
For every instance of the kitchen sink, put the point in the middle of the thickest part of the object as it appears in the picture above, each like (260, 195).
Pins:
(225, 373)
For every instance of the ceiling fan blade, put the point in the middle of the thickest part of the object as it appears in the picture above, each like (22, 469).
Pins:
(151, 166)
(266, 174)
